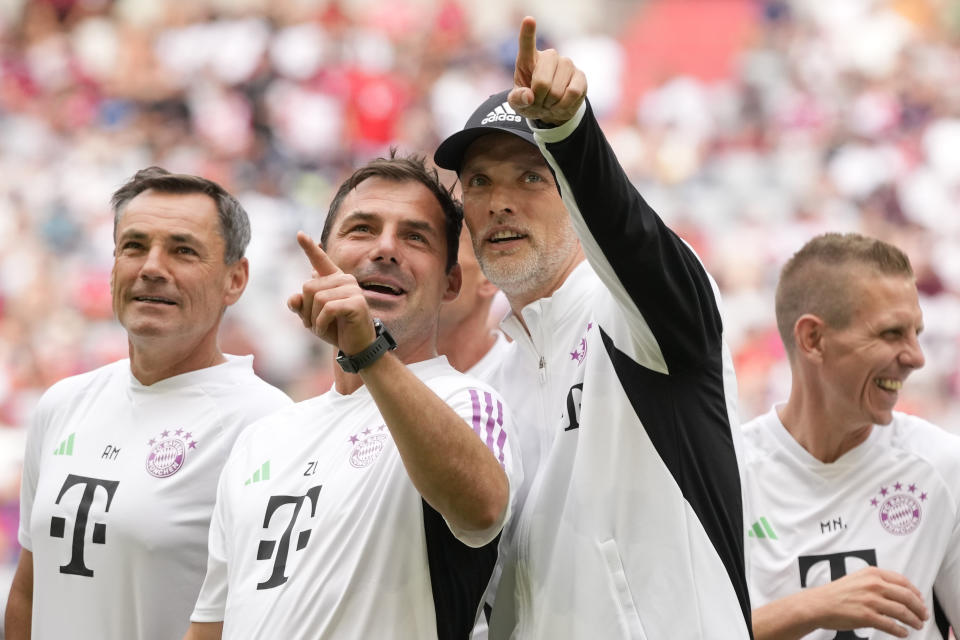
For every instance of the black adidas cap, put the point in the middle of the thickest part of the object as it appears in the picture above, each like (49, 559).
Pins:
(495, 114)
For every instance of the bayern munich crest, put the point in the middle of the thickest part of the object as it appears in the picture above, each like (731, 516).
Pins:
(168, 452)
(367, 446)
(899, 507)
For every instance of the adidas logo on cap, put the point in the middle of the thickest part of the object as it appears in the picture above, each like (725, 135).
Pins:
(493, 114)
(503, 113)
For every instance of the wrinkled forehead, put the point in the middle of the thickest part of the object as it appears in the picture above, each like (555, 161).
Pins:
(399, 200)
(173, 212)
(498, 147)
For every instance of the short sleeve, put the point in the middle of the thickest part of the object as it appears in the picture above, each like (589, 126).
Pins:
(212, 602)
(31, 468)
(489, 417)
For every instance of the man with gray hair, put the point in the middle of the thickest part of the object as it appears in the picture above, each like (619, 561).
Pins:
(854, 514)
(121, 465)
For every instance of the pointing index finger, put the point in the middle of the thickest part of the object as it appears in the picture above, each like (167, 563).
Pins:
(527, 48)
(320, 261)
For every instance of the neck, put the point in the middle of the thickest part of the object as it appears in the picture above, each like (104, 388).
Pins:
(345, 383)
(466, 343)
(825, 437)
(519, 300)
(153, 363)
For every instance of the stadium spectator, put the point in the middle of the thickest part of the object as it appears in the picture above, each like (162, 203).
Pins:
(120, 471)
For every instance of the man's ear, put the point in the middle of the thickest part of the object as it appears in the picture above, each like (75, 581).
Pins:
(808, 332)
(238, 274)
(454, 281)
(486, 289)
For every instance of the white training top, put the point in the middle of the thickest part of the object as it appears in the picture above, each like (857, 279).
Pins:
(119, 481)
(624, 392)
(891, 502)
(318, 531)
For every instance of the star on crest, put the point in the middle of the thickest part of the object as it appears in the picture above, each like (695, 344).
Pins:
(165, 434)
(923, 496)
(152, 442)
(178, 431)
(353, 439)
(898, 486)
(873, 502)
(193, 444)
(883, 491)
(912, 488)
(580, 352)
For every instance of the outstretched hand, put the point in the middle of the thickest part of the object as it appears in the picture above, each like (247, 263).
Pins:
(331, 303)
(546, 86)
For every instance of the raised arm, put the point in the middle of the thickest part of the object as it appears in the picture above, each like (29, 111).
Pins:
(657, 279)
(872, 597)
(449, 465)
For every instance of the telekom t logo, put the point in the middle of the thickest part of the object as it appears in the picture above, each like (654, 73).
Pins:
(279, 551)
(58, 525)
(838, 569)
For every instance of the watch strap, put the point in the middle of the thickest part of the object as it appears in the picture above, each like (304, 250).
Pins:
(382, 343)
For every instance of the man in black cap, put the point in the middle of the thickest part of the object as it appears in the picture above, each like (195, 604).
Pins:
(631, 520)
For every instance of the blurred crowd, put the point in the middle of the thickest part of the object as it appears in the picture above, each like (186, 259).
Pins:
(750, 125)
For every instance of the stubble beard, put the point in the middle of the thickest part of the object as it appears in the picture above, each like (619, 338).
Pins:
(533, 270)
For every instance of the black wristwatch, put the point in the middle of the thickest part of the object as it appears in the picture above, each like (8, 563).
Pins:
(383, 343)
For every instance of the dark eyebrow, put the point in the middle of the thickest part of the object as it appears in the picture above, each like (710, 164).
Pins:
(366, 216)
(184, 237)
(359, 216)
(472, 167)
(343, 222)
(133, 234)
(419, 225)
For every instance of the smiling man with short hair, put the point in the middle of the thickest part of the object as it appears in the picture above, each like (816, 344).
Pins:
(121, 465)
(855, 515)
